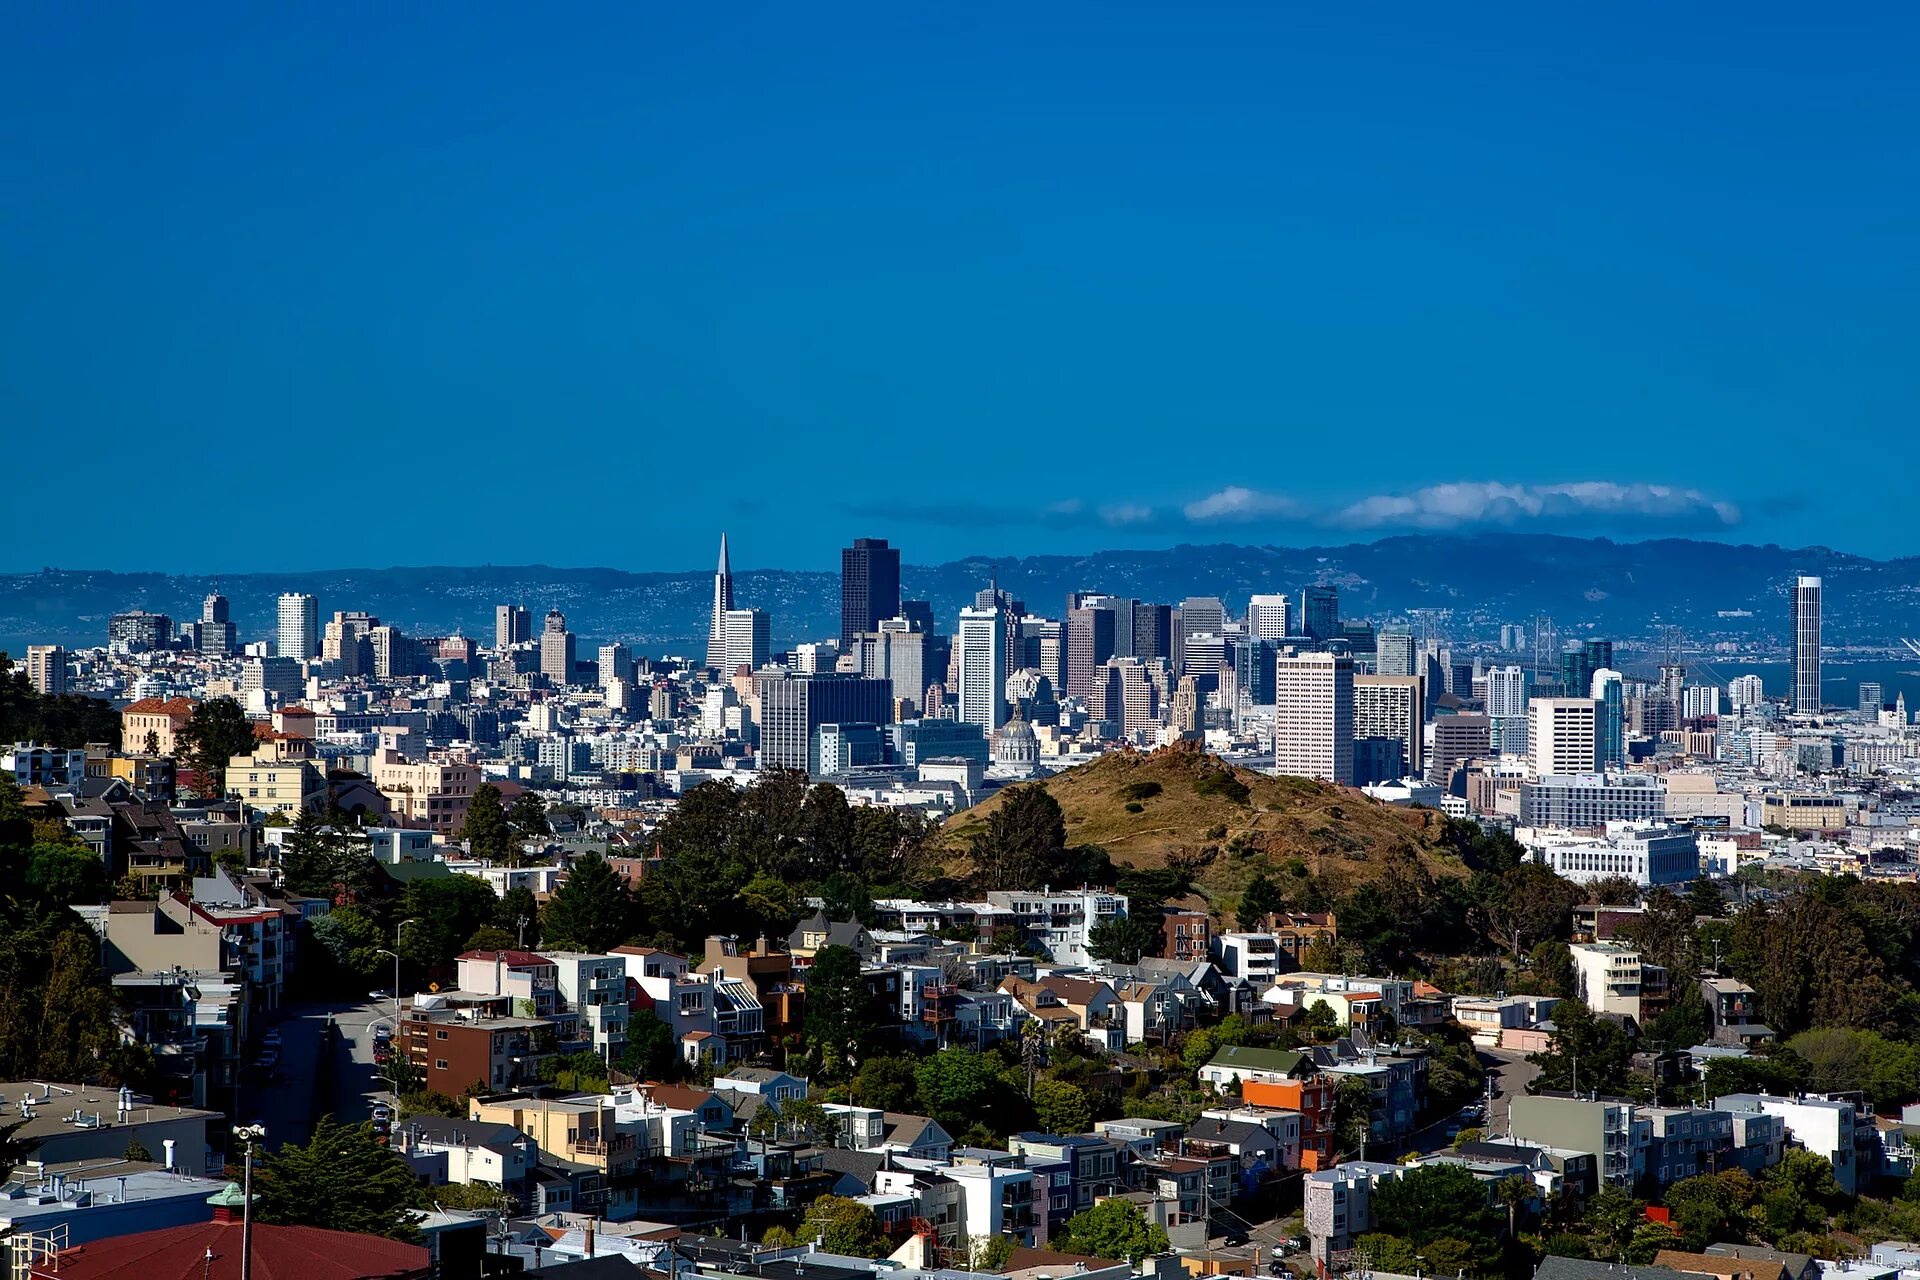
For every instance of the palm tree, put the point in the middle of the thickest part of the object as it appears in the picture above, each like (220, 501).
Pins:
(1513, 1191)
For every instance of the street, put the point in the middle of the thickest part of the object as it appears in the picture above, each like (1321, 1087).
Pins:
(287, 1106)
(1512, 1074)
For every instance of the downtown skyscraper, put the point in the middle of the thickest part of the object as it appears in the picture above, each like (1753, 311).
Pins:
(722, 603)
(298, 631)
(1806, 645)
(869, 587)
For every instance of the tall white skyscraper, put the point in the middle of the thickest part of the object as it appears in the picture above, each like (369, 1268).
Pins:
(1269, 617)
(1313, 717)
(1393, 653)
(1806, 645)
(1564, 733)
(1746, 691)
(722, 601)
(980, 646)
(1392, 707)
(1507, 709)
(47, 669)
(299, 636)
(1700, 700)
(748, 640)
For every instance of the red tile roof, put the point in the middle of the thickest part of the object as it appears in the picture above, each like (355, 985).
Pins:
(157, 706)
(279, 1253)
(513, 959)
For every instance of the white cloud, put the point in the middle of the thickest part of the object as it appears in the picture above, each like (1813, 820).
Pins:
(1449, 506)
(1236, 502)
(1122, 513)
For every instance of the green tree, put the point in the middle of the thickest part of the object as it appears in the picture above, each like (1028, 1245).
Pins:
(1705, 899)
(1780, 1072)
(581, 1072)
(1549, 971)
(1685, 1023)
(987, 1253)
(215, 732)
(1025, 840)
(445, 913)
(1648, 1240)
(1844, 1059)
(69, 873)
(959, 1086)
(845, 1227)
(488, 937)
(592, 911)
(1585, 1053)
(1061, 1108)
(650, 1052)
(1664, 932)
(472, 1197)
(519, 915)
(886, 1081)
(527, 816)
(1812, 962)
(342, 1179)
(351, 939)
(1123, 939)
(1521, 906)
(844, 895)
(1260, 899)
(1433, 1201)
(486, 831)
(77, 1023)
(1711, 1208)
(841, 1019)
(1111, 1229)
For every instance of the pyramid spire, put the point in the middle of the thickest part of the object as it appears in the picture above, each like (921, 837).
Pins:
(722, 601)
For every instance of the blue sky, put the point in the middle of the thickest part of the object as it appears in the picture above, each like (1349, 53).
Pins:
(323, 285)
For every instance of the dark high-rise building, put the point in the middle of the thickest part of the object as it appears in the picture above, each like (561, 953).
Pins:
(512, 625)
(1089, 645)
(918, 613)
(1320, 611)
(138, 630)
(1153, 631)
(1579, 660)
(792, 709)
(869, 587)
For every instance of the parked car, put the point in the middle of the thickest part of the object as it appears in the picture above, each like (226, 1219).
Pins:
(383, 1115)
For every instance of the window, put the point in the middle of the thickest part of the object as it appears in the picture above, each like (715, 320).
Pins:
(439, 1064)
(440, 1034)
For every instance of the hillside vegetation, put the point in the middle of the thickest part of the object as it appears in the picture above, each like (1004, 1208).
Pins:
(1180, 803)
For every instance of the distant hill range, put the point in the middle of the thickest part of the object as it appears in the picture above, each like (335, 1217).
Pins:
(1621, 589)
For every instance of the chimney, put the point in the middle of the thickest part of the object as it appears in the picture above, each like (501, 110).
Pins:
(589, 1239)
(166, 1153)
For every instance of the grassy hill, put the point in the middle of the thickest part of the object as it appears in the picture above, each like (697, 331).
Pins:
(1143, 807)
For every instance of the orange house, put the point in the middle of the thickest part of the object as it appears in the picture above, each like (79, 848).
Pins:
(1313, 1099)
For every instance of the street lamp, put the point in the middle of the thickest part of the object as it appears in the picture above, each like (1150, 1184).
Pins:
(382, 951)
(249, 1134)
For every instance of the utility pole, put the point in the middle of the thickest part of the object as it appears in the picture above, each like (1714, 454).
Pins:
(249, 1134)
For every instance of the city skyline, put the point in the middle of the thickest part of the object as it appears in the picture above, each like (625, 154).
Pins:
(1507, 248)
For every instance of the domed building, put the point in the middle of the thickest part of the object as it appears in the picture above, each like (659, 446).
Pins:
(1016, 750)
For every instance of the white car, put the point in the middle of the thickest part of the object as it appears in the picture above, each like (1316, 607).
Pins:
(382, 1115)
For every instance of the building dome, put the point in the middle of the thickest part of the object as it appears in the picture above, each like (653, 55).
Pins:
(1015, 748)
